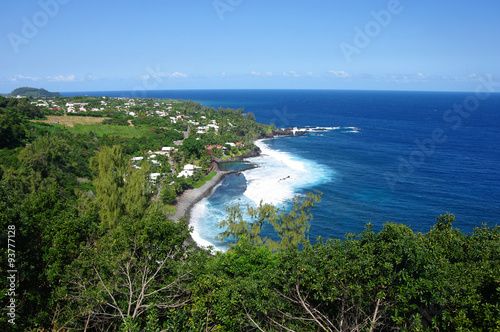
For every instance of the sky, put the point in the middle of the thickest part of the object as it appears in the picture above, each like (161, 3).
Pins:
(110, 45)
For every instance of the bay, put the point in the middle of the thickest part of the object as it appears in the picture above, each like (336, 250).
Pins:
(415, 156)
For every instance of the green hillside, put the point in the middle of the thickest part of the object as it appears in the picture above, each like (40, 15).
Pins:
(34, 92)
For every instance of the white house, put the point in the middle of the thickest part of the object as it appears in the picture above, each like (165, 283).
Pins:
(137, 158)
(188, 170)
(154, 177)
(202, 130)
(216, 127)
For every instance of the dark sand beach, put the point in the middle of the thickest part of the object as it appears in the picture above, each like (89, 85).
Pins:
(192, 196)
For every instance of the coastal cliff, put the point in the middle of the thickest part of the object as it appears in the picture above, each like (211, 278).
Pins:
(284, 132)
(250, 154)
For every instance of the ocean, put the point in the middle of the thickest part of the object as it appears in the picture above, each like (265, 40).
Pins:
(389, 156)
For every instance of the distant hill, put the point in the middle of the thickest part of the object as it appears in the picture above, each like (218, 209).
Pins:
(33, 92)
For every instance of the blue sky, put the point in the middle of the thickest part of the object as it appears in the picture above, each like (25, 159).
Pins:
(75, 45)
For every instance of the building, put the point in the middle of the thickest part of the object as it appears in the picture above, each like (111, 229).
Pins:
(189, 170)
(153, 177)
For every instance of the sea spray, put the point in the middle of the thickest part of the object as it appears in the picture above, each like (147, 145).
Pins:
(280, 176)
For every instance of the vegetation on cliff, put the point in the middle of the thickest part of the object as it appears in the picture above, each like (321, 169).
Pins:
(33, 93)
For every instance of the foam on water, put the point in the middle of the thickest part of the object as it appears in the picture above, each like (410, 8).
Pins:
(204, 217)
(279, 177)
(197, 213)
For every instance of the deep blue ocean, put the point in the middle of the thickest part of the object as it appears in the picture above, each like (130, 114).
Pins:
(403, 157)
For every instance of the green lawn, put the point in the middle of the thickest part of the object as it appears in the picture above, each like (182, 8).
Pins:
(110, 130)
(204, 179)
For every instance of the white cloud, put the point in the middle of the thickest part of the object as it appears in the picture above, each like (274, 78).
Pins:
(255, 73)
(161, 76)
(61, 78)
(91, 78)
(17, 78)
(311, 74)
(268, 73)
(340, 73)
(177, 75)
(290, 73)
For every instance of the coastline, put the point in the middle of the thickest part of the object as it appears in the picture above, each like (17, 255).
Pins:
(190, 197)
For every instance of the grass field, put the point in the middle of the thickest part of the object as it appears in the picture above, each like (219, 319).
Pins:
(71, 121)
(110, 130)
(204, 179)
(84, 124)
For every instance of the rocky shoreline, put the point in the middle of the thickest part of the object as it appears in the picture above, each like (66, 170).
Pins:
(190, 197)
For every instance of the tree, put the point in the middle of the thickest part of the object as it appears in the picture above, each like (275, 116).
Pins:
(127, 273)
(120, 189)
(291, 227)
(168, 194)
(43, 163)
(11, 131)
(192, 147)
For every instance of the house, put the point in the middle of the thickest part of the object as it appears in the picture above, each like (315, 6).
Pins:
(216, 127)
(166, 150)
(137, 158)
(190, 167)
(153, 177)
(189, 170)
(201, 130)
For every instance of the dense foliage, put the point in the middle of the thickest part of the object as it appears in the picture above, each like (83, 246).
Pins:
(34, 93)
(95, 250)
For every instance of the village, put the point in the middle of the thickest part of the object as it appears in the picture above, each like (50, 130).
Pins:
(194, 136)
